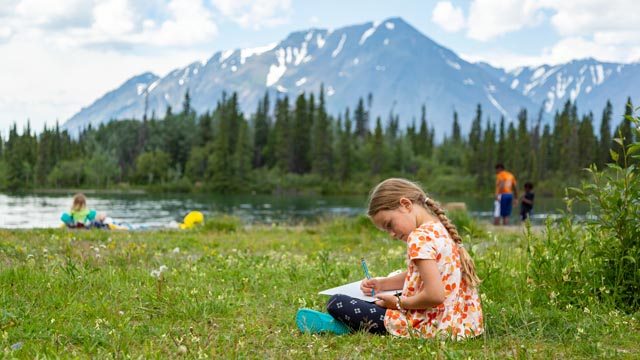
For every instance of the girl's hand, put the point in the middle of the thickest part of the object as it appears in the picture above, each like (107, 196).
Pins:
(367, 285)
(387, 301)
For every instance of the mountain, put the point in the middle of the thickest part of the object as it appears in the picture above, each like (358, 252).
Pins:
(587, 82)
(402, 69)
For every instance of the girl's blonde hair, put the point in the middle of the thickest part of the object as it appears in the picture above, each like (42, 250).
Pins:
(386, 196)
(79, 202)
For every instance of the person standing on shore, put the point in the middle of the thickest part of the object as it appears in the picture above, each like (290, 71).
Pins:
(506, 193)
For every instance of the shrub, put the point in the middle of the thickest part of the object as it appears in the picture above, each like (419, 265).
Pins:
(596, 260)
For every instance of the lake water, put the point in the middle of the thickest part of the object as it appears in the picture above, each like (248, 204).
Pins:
(44, 210)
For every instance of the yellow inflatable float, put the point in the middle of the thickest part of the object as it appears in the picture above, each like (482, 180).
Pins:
(192, 219)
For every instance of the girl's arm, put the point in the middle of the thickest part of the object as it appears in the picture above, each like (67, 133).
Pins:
(432, 293)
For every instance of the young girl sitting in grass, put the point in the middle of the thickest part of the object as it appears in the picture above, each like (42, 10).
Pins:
(439, 289)
(80, 216)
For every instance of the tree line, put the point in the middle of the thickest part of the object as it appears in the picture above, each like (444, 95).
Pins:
(298, 147)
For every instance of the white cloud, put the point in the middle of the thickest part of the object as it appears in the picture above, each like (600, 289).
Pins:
(449, 17)
(491, 18)
(604, 29)
(113, 18)
(59, 56)
(112, 23)
(584, 17)
(255, 13)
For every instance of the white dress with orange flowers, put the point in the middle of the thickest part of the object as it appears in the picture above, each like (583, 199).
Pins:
(460, 315)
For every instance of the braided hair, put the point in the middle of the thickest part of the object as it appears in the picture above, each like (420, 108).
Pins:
(386, 196)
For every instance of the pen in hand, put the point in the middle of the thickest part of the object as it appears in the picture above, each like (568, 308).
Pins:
(366, 272)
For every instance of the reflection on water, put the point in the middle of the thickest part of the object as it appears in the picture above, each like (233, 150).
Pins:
(43, 211)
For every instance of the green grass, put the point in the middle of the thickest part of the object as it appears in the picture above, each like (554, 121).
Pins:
(232, 292)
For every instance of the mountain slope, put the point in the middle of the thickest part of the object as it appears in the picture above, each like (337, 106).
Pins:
(399, 66)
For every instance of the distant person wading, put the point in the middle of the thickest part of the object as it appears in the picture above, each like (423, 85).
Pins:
(506, 193)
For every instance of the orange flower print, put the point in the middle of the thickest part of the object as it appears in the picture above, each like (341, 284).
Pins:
(393, 314)
(414, 250)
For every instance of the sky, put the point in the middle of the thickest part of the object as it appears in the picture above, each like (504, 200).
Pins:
(58, 56)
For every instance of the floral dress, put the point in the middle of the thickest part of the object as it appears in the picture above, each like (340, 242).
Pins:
(460, 315)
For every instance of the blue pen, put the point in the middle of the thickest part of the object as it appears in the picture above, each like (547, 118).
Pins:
(366, 272)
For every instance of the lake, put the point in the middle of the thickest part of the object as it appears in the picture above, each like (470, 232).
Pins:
(44, 210)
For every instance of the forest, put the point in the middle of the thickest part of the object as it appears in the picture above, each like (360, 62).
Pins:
(292, 146)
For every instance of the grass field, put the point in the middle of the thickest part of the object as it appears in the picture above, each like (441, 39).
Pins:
(229, 291)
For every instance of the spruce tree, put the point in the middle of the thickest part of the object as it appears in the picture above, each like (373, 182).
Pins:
(377, 149)
(604, 141)
(456, 134)
(302, 122)
(361, 120)
(322, 154)
(587, 149)
(261, 132)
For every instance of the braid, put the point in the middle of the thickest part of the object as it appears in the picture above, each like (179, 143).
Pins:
(468, 267)
(437, 209)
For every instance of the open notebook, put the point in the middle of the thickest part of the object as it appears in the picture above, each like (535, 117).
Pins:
(353, 290)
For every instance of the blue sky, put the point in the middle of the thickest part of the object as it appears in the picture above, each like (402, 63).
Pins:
(58, 56)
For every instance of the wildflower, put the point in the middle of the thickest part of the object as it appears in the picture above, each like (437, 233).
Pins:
(158, 273)
(176, 250)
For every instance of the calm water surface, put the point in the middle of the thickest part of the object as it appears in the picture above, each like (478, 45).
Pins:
(44, 210)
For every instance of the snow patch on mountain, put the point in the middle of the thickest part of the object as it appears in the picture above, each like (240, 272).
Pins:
(320, 41)
(225, 55)
(247, 53)
(140, 88)
(276, 71)
(453, 64)
(338, 48)
(367, 34)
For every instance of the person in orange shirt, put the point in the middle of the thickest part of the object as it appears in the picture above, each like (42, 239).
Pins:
(506, 194)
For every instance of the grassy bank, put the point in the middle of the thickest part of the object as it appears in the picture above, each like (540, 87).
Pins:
(231, 292)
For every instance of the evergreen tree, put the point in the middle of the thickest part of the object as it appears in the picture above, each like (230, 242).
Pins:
(281, 139)
(261, 131)
(587, 149)
(423, 145)
(345, 149)
(322, 154)
(377, 149)
(302, 122)
(475, 164)
(221, 166)
(522, 167)
(456, 133)
(502, 143)
(361, 120)
(623, 131)
(186, 104)
(511, 142)
(604, 141)
(488, 155)
(241, 158)
(545, 153)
